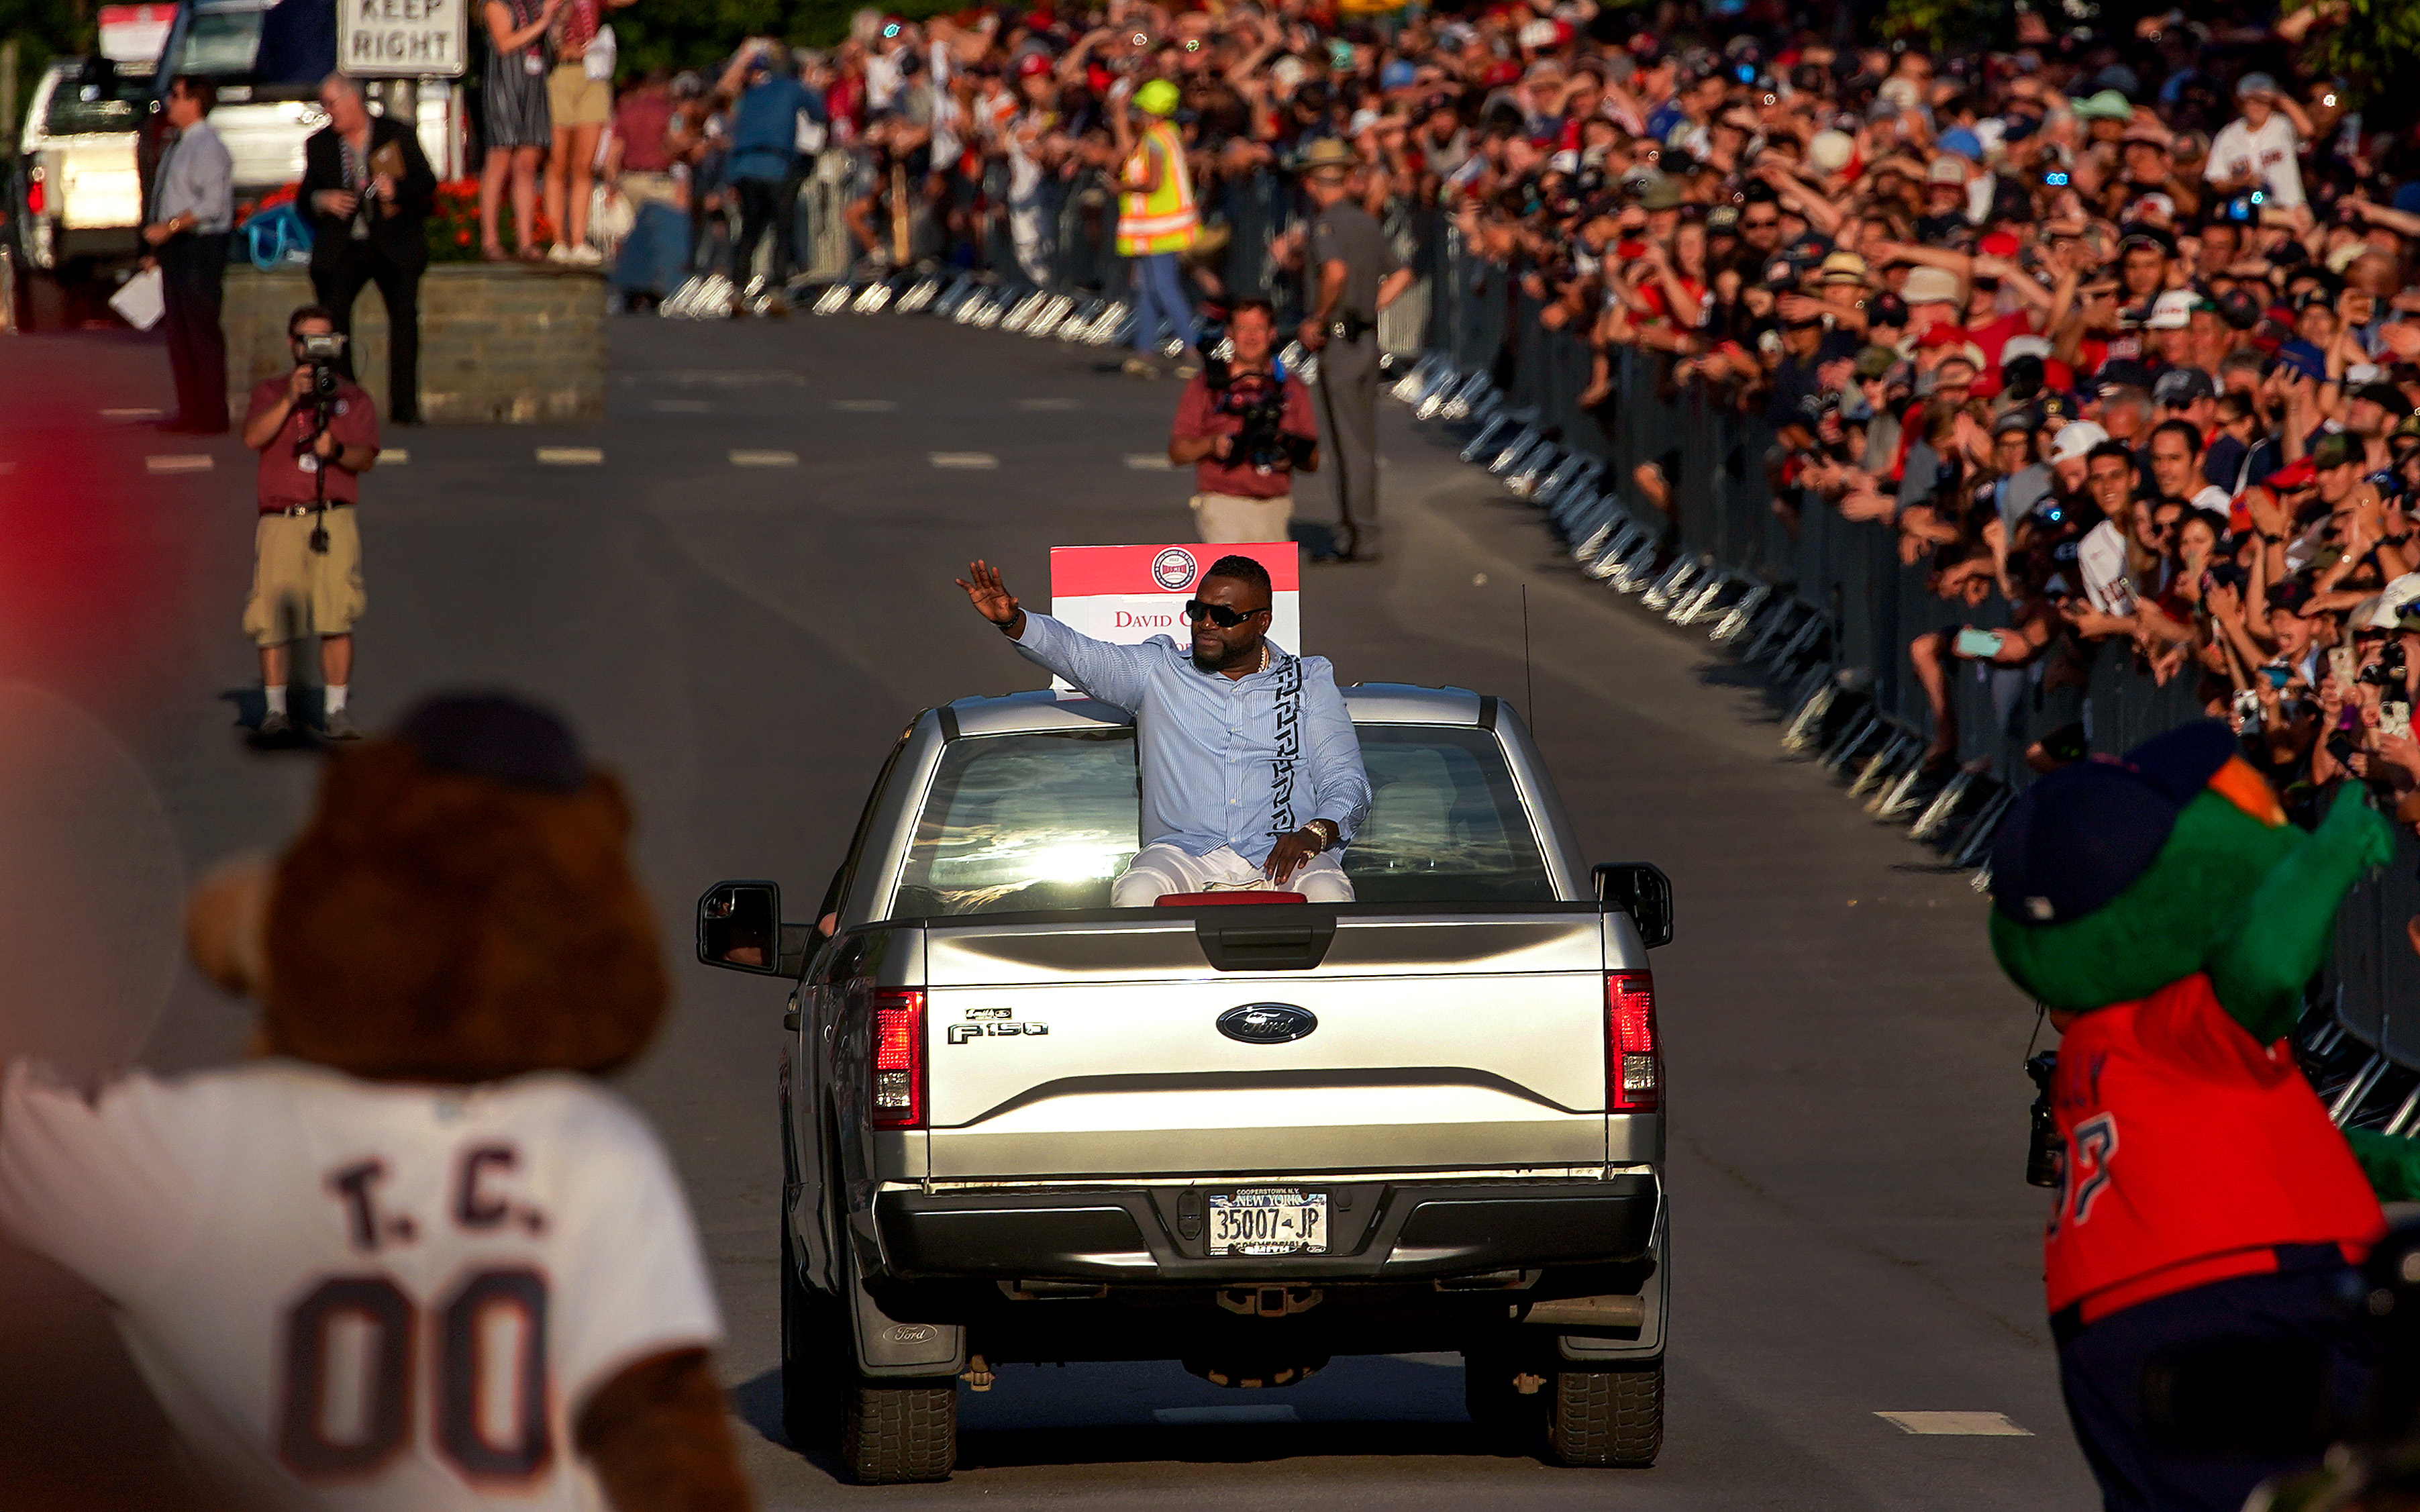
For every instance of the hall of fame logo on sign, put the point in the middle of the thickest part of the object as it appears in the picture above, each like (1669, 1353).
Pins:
(1174, 569)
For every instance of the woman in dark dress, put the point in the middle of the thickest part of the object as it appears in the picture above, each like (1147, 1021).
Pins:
(516, 119)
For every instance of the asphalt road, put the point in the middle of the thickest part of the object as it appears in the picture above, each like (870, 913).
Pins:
(744, 638)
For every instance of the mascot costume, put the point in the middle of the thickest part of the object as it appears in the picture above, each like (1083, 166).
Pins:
(2169, 918)
(412, 1256)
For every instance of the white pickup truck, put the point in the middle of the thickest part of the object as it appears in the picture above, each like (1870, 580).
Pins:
(1019, 1125)
(76, 196)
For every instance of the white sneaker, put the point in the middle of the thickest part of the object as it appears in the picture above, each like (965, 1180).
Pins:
(558, 253)
(585, 256)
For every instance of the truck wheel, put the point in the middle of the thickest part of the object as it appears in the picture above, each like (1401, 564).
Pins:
(1608, 1418)
(814, 1358)
(896, 1433)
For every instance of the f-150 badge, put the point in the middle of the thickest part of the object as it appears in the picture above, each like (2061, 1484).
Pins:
(994, 1024)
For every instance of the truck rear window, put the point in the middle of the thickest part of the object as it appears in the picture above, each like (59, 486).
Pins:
(1021, 823)
(221, 43)
(98, 102)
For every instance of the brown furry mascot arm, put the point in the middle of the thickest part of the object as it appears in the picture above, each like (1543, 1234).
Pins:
(659, 1440)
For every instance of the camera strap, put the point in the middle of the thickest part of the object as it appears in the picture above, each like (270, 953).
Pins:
(318, 487)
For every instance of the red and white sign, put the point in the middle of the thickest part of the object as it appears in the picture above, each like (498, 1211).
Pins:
(1129, 594)
(135, 33)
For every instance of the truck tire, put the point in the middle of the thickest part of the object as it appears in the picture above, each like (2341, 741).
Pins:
(893, 1434)
(1607, 1417)
(814, 1358)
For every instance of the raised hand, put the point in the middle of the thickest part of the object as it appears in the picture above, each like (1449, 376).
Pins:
(991, 597)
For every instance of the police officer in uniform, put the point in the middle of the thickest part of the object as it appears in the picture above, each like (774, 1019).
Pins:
(1352, 273)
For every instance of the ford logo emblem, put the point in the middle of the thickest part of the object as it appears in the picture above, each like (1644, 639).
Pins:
(1267, 1023)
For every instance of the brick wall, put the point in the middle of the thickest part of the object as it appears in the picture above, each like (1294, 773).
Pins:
(500, 343)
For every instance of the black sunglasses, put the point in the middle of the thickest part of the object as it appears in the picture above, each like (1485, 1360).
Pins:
(1221, 616)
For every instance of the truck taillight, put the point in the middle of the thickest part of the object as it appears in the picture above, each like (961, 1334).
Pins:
(1634, 1067)
(34, 192)
(898, 1058)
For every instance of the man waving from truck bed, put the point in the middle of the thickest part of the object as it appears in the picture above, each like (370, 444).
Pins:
(1251, 773)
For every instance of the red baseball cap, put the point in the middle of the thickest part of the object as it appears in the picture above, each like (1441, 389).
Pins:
(1032, 63)
(1999, 244)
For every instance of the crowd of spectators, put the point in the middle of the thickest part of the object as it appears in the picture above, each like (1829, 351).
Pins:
(2117, 333)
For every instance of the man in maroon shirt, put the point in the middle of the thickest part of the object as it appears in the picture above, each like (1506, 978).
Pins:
(639, 161)
(306, 571)
(1246, 481)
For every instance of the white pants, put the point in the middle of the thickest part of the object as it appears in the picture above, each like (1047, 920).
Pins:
(1163, 869)
(1224, 519)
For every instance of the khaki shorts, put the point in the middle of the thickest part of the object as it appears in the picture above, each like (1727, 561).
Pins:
(574, 98)
(643, 188)
(298, 592)
(1225, 519)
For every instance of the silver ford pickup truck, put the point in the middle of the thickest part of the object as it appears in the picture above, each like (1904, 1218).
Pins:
(1019, 1125)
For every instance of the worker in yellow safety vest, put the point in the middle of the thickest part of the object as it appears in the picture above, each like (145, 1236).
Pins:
(1156, 220)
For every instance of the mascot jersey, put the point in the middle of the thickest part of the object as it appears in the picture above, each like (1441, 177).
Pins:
(2162, 1104)
(366, 1295)
(2162, 899)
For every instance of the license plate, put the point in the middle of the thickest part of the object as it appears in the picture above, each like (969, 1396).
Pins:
(1271, 1221)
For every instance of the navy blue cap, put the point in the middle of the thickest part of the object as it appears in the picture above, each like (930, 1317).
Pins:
(2184, 760)
(2081, 836)
(496, 736)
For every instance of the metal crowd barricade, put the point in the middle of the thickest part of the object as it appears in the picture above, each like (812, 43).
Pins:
(1833, 611)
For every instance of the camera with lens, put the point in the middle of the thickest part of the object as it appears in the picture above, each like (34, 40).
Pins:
(2045, 1152)
(322, 350)
(1258, 401)
(2388, 671)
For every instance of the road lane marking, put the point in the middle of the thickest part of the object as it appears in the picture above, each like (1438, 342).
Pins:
(191, 463)
(866, 406)
(1186, 1417)
(1969, 1424)
(570, 456)
(976, 462)
(389, 455)
(680, 406)
(718, 376)
(1149, 462)
(134, 415)
(764, 458)
(1050, 404)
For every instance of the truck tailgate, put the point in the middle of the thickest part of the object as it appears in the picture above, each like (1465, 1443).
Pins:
(1440, 1042)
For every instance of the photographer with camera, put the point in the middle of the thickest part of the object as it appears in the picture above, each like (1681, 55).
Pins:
(317, 433)
(1246, 429)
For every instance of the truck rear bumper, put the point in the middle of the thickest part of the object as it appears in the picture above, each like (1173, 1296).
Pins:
(1380, 1230)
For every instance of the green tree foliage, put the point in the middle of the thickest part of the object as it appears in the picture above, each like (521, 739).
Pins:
(1946, 25)
(2373, 45)
(42, 30)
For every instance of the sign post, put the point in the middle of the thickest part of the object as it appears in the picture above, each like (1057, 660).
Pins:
(402, 39)
(1129, 594)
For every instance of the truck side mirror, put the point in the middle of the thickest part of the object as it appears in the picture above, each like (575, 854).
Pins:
(739, 928)
(1642, 890)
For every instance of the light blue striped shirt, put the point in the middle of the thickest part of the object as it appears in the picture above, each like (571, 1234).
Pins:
(1231, 761)
(195, 177)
